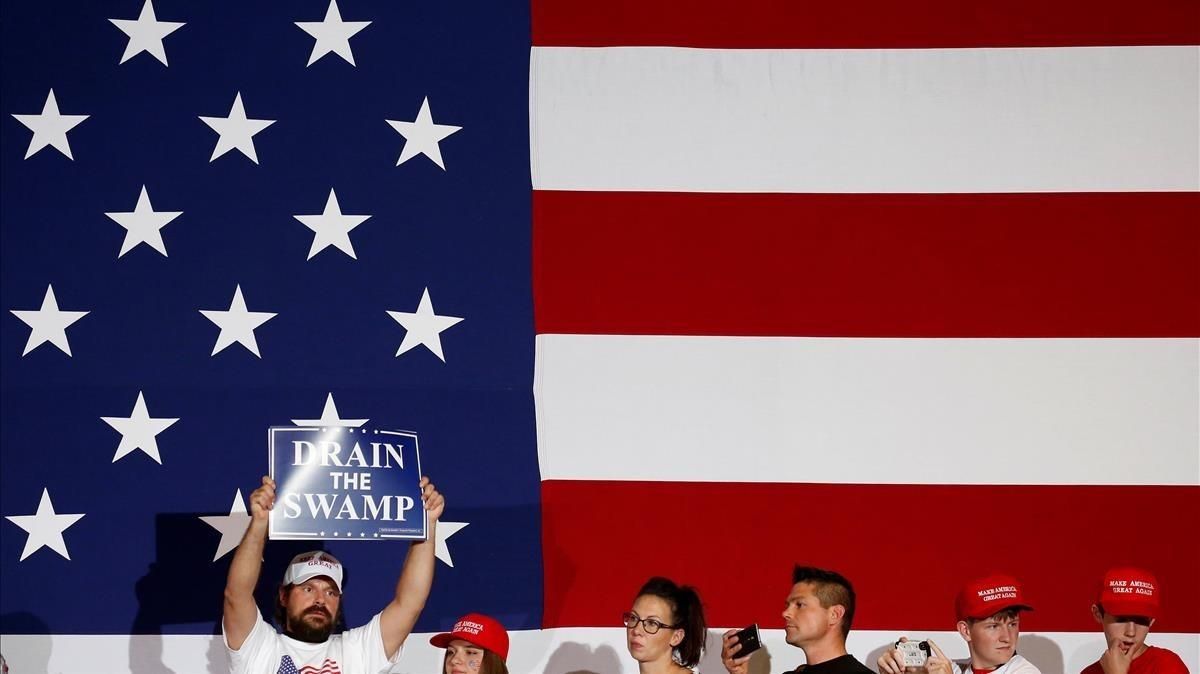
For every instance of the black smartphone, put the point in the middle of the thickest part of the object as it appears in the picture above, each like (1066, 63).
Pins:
(749, 639)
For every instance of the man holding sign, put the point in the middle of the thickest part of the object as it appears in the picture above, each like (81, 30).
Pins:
(309, 603)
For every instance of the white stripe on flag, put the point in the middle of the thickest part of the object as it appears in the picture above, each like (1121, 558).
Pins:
(880, 411)
(865, 120)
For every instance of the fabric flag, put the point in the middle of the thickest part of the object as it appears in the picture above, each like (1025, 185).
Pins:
(266, 217)
(911, 292)
(907, 291)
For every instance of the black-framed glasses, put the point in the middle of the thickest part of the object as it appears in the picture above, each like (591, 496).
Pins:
(651, 625)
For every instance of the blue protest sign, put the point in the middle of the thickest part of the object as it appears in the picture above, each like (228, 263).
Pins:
(342, 483)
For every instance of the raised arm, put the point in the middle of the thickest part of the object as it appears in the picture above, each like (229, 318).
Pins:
(240, 610)
(399, 616)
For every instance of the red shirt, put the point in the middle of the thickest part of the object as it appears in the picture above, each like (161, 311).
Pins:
(1153, 660)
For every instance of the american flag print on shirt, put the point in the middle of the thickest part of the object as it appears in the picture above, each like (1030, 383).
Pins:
(288, 666)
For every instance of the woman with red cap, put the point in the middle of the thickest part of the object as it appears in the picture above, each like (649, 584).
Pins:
(478, 644)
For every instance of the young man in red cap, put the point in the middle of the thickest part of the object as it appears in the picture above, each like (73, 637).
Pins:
(309, 604)
(989, 619)
(1126, 606)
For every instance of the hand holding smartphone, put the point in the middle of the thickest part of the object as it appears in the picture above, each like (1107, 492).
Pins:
(750, 640)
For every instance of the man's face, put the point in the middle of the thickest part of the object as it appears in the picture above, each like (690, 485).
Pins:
(311, 608)
(992, 641)
(1126, 632)
(804, 620)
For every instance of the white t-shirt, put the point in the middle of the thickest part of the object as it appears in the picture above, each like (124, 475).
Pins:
(1015, 665)
(356, 651)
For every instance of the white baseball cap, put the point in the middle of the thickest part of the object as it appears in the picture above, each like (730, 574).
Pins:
(312, 564)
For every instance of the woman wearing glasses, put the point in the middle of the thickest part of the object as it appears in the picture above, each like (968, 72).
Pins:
(665, 630)
(478, 644)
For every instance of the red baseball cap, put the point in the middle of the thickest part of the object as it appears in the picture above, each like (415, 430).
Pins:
(483, 631)
(1127, 590)
(987, 596)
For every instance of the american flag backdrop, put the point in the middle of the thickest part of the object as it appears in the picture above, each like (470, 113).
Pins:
(702, 290)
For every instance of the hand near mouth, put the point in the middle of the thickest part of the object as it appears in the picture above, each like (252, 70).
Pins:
(1117, 658)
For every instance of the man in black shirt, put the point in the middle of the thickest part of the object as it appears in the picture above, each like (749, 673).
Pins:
(817, 618)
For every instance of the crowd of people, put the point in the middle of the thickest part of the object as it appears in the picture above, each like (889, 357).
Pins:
(665, 627)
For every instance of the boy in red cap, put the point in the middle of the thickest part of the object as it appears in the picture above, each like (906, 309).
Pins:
(1126, 606)
(988, 611)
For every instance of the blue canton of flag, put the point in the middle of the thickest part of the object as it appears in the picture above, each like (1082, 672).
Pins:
(225, 216)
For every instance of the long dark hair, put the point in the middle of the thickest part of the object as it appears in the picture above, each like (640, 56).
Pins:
(689, 616)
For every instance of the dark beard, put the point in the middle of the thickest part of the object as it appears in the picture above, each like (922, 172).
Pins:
(300, 630)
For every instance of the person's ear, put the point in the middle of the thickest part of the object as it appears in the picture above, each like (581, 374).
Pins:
(677, 637)
(964, 630)
(1098, 613)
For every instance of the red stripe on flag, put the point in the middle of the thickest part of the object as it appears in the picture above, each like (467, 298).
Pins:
(898, 265)
(761, 24)
(327, 667)
(906, 548)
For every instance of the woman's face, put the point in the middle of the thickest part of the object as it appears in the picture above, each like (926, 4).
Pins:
(646, 647)
(463, 657)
